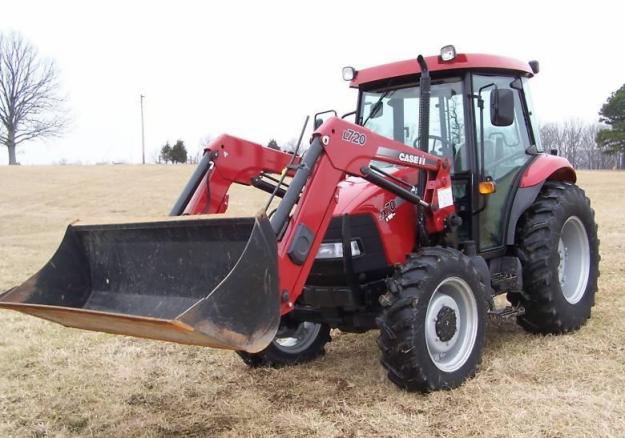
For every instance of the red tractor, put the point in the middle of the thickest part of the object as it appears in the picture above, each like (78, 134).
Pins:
(410, 220)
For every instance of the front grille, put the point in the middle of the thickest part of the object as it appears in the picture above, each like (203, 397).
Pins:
(370, 265)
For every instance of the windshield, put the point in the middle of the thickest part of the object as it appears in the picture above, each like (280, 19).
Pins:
(397, 116)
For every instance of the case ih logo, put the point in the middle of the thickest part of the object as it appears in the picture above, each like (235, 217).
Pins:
(403, 156)
(354, 137)
(409, 158)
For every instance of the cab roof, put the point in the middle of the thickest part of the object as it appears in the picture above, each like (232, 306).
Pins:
(462, 61)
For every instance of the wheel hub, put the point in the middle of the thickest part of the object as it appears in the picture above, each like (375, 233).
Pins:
(451, 324)
(296, 339)
(574, 265)
(445, 323)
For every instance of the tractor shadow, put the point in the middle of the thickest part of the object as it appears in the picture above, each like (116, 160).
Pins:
(500, 334)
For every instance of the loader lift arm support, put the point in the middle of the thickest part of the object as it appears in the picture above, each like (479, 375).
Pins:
(228, 160)
(338, 148)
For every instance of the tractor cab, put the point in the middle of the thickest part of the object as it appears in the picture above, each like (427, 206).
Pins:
(481, 118)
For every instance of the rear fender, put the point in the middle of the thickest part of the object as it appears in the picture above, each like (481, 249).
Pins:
(548, 167)
(544, 168)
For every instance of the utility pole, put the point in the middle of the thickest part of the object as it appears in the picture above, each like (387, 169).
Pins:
(142, 133)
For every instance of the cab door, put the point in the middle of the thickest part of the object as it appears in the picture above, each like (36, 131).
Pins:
(505, 157)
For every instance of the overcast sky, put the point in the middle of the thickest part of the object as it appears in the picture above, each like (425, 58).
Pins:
(256, 69)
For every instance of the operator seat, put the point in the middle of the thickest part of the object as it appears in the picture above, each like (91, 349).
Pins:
(461, 159)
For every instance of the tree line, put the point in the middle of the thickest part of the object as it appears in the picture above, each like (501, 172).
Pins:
(576, 141)
(173, 154)
(178, 152)
(591, 145)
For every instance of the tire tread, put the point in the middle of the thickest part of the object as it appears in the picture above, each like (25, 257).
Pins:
(537, 232)
(399, 325)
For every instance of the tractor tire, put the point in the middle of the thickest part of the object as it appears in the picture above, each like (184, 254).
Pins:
(559, 251)
(433, 326)
(292, 346)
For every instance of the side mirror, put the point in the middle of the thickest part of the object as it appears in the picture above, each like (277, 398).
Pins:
(501, 107)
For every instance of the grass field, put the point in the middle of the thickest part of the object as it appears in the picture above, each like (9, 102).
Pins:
(63, 382)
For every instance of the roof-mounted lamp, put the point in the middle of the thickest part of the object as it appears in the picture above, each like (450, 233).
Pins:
(349, 73)
(448, 53)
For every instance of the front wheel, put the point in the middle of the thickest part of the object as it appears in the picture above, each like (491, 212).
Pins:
(293, 344)
(432, 329)
(559, 250)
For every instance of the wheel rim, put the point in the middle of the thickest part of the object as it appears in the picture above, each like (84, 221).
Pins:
(299, 339)
(574, 266)
(451, 324)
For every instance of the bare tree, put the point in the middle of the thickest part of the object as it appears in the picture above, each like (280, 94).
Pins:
(591, 153)
(552, 137)
(30, 106)
(576, 141)
(573, 135)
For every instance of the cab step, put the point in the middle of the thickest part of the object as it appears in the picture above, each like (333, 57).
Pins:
(506, 313)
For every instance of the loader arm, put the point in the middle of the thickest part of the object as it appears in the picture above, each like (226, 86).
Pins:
(226, 161)
(338, 148)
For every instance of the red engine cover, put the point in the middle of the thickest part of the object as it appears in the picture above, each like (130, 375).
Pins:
(394, 217)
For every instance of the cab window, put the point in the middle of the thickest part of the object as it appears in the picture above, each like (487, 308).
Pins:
(397, 117)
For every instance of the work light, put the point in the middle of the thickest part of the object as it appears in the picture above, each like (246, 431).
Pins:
(349, 73)
(448, 53)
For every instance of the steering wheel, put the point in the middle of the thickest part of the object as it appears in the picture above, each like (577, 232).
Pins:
(495, 134)
(446, 147)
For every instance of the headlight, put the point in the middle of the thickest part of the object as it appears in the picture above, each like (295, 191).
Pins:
(334, 250)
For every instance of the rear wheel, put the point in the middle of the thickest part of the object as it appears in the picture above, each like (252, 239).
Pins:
(432, 329)
(293, 344)
(559, 250)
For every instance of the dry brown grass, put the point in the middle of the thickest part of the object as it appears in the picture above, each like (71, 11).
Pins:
(63, 382)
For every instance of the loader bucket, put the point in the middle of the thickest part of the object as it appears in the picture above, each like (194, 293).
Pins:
(201, 281)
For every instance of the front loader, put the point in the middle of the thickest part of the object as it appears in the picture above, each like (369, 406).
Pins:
(410, 220)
